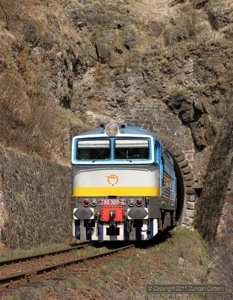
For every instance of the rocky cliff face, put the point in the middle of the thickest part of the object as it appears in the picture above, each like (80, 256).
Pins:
(98, 58)
(69, 65)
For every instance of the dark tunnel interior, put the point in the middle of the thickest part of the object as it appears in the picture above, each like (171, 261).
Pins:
(180, 192)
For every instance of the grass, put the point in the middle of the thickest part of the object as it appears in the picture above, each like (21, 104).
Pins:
(8, 253)
(87, 251)
(90, 250)
(23, 294)
(179, 258)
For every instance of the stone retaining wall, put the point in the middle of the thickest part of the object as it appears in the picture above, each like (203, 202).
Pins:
(34, 200)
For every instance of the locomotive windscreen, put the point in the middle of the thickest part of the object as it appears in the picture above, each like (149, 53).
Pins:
(113, 149)
(131, 149)
(93, 150)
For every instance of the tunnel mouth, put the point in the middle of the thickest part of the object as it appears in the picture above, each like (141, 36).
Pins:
(180, 192)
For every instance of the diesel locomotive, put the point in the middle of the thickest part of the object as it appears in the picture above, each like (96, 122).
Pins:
(123, 184)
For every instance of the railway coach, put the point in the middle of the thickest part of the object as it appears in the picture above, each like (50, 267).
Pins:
(124, 184)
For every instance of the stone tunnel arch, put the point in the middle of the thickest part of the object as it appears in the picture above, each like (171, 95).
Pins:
(185, 181)
(154, 115)
(183, 167)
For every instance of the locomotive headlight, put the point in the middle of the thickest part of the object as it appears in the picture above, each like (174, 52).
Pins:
(85, 202)
(112, 129)
(93, 202)
(139, 202)
(131, 202)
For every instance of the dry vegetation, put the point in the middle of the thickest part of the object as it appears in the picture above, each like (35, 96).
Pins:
(30, 120)
(179, 258)
(29, 123)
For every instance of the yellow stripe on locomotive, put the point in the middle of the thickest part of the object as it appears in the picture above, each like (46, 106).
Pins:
(119, 191)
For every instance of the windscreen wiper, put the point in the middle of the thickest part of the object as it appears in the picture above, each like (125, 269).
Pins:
(98, 156)
(124, 155)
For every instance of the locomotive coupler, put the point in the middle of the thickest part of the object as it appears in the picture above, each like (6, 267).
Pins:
(112, 215)
(112, 225)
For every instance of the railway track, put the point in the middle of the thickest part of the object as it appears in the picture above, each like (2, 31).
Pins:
(34, 274)
(37, 256)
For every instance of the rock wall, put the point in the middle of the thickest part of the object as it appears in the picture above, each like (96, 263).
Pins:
(34, 200)
(225, 226)
(221, 271)
(215, 202)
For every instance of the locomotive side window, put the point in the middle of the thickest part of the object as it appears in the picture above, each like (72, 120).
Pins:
(131, 149)
(93, 150)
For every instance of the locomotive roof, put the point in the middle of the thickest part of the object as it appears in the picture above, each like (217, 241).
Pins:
(127, 129)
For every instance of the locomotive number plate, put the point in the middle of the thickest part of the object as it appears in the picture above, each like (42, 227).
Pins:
(112, 202)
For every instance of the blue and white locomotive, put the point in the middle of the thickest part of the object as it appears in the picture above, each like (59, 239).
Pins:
(124, 184)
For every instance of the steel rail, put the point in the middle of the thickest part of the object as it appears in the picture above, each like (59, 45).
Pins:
(27, 258)
(27, 276)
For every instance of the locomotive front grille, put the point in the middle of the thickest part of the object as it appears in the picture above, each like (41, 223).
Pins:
(112, 213)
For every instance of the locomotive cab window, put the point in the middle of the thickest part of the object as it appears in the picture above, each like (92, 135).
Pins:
(131, 149)
(93, 150)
